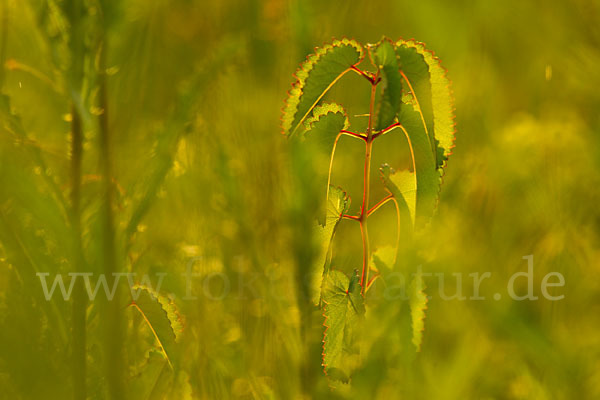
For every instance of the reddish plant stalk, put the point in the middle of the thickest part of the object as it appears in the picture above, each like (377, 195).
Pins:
(362, 219)
(365, 211)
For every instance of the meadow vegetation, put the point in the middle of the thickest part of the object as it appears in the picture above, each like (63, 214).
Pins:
(179, 102)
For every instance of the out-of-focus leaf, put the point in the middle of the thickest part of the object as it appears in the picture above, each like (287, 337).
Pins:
(383, 259)
(418, 305)
(162, 318)
(315, 77)
(148, 377)
(344, 309)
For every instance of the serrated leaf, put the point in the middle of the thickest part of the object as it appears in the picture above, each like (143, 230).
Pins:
(338, 203)
(403, 186)
(418, 305)
(386, 60)
(322, 131)
(315, 77)
(324, 126)
(426, 179)
(326, 121)
(418, 85)
(432, 90)
(424, 167)
(344, 309)
(161, 316)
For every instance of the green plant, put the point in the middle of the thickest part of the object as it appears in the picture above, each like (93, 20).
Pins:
(416, 101)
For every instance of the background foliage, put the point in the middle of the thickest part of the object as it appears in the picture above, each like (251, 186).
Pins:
(194, 92)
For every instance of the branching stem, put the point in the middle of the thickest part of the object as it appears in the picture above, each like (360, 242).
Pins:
(356, 135)
(377, 275)
(386, 130)
(363, 74)
(379, 204)
(366, 187)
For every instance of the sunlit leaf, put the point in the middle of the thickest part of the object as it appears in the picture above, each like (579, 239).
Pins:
(325, 123)
(315, 77)
(343, 309)
(337, 204)
(432, 89)
(403, 186)
(386, 60)
(426, 179)
(415, 74)
(323, 130)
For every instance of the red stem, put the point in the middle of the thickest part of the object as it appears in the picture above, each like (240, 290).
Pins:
(372, 280)
(356, 135)
(386, 130)
(362, 73)
(379, 204)
(366, 187)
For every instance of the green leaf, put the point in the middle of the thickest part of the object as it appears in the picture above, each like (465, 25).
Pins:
(148, 377)
(403, 186)
(432, 90)
(155, 380)
(426, 179)
(324, 126)
(386, 60)
(315, 77)
(326, 122)
(338, 203)
(162, 318)
(418, 305)
(343, 310)
(323, 130)
(418, 83)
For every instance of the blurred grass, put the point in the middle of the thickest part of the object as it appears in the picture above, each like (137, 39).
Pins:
(523, 180)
